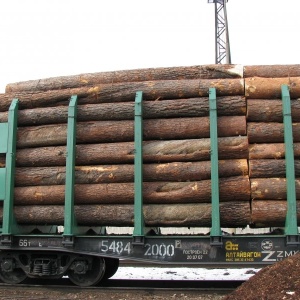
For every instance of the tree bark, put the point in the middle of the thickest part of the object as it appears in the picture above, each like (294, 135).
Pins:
(270, 132)
(270, 213)
(270, 88)
(88, 79)
(271, 188)
(123, 131)
(235, 214)
(272, 71)
(231, 188)
(119, 92)
(264, 168)
(153, 151)
(176, 171)
(276, 151)
(262, 110)
(192, 107)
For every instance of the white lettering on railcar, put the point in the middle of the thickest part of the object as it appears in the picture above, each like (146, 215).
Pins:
(272, 256)
(116, 247)
(159, 250)
(24, 243)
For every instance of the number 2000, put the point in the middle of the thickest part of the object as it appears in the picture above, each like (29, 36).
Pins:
(159, 250)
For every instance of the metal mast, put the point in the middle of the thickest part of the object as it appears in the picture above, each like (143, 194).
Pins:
(221, 32)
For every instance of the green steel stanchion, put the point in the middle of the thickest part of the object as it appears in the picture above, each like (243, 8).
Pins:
(70, 221)
(8, 132)
(291, 229)
(138, 232)
(215, 233)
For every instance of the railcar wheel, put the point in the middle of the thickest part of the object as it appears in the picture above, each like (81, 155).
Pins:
(10, 274)
(111, 267)
(83, 273)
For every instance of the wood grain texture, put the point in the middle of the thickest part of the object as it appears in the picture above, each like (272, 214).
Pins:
(270, 88)
(153, 151)
(192, 107)
(272, 151)
(270, 132)
(271, 188)
(123, 131)
(233, 214)
(270, 213)
(265, 110)
(120, 92)
(88, 79)
(231, 189)
(271, 71)
(176, 171)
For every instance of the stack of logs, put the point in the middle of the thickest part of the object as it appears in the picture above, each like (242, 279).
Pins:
(265, 130)
(176, 147)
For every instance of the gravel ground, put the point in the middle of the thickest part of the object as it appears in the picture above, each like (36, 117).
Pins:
(36, 293)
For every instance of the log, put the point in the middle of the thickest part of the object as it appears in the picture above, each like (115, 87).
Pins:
(272, 71)
(271, 188)
(176, 171)
(276, 151)
(231, 188)
(270, 88)
(270, 213)
(192, 107)
(88, 79)
(263, 132)
(262, 110)
(235, 214)
(120, 92)
(123, 131)
(153, 151)
(264, 168)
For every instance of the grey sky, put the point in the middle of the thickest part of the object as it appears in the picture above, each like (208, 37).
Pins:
(43, 38)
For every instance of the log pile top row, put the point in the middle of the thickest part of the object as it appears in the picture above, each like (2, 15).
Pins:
(160, 83)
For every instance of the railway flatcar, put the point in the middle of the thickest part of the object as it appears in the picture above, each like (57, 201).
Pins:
(162, 162)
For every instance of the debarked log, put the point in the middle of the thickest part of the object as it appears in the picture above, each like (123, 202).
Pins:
(275, 151)
(265, 168)
(270, 88)
(119, 92)
(270, 213)
(272, 71)
(176, 171)
(192, 107)
(233, 214)
(153, 151)
(231, 188)
(87, 79)
(262, 132)
(123, 131)
(263, 110)
(271, 188)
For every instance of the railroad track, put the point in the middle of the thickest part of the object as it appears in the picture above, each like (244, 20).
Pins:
(62, 289)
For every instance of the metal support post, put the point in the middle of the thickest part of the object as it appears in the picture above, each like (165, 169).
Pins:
(291, 229)
(138, 232)
(8, 145)
(215, 233)
(70, 220)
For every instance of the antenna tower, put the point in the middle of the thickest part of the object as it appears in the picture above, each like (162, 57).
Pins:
(222, 53)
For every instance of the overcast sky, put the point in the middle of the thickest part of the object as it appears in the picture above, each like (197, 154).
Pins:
(46, 38)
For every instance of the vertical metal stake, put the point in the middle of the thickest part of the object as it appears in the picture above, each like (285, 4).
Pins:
(70, 221)
(9, 225)
(215, 232)
(138, 232)
(291, 228)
